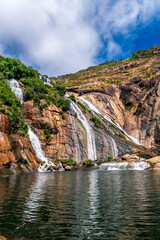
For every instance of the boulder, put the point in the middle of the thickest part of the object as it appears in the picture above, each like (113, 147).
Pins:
(154, 160)
(68, 168)
(128, 157)
(4, 160)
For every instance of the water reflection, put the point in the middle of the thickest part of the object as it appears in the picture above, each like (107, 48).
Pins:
(81, 205)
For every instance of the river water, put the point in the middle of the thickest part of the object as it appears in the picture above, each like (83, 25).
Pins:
(95, 204)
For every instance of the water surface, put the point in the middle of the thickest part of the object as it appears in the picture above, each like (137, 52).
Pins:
(81, 205)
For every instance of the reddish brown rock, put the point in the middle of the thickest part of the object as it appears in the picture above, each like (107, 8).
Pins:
(68, 168)
(4, 160)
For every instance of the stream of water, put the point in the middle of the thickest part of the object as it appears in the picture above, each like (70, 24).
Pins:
(92, 155)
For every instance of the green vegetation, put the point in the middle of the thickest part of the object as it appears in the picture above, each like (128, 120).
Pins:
(12, 107)
(144, 88)
(63, 103)
(82, 106)
(69, 162)
(88, 163)
(37, 90)
(112, 125)
(72, 97)
(147, 75)
(128, 107)
(143, 54)
(47, 130)
(122, 136)
(34, 89)
(96, 121)
(109, 159)
(25, 162)
(12, 68)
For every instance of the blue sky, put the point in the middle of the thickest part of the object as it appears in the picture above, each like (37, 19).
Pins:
(61, 36)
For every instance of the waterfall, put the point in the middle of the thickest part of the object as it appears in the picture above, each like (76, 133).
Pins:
(93, 108)
(48, 165)
(92, 155)
(110, 139)
(142, 165)
(47, 81)
(15, 87)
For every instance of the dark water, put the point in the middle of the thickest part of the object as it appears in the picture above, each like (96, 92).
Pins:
(81, 205)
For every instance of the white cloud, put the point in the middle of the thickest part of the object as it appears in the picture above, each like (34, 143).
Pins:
(61, 36)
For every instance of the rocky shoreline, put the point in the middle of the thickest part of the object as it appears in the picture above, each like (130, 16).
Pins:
(131, 159)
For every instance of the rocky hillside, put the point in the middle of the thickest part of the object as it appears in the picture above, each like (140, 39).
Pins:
(127, 90)
(109, 104)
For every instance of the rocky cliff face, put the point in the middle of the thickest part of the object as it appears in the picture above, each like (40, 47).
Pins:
(128, 92)
(68, 136)
(136, 111)
(16, 152)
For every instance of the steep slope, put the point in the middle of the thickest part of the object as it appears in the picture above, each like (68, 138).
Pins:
(128, 91)
(114, 111)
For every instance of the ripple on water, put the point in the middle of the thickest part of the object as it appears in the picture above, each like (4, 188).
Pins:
(81, 205)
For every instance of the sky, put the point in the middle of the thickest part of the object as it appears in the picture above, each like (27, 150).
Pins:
(64, 36)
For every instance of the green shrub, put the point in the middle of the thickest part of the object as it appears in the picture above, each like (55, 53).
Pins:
(147, 75)
(122, 136)
(63, 116)
(63, 103)
(82, 106)
(43, 106)
(128, 108)
(88, 162)
(69, 162)
(47, 130)
(61, 90)
(13, 110)
(72, 97)
(109, 159)
(96, 121)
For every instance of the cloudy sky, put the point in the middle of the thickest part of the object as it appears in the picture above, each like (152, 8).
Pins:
(64, 36)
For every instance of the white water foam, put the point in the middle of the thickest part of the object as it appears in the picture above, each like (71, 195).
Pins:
(48, 164)
(15, 87)
(47, 81)
(141, 165)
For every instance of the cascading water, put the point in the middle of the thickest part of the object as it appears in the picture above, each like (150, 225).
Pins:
(47, 81)
(114, 149)
(48, 164)
(142, 165)
(93, 108)
(90, 135)
(15, 86)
